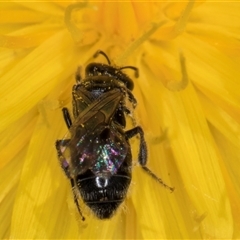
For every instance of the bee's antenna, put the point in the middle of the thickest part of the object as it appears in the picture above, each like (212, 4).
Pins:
(133, 68)
(104, 54)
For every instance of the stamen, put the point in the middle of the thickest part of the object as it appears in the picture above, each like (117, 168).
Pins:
(182, 21)
(73, 29)
(170, 32)
(174, 85)
(134, 45)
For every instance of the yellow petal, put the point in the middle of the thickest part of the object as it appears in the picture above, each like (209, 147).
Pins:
(35, 80)
(230, 152)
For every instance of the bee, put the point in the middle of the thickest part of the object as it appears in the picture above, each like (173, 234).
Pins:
(96, 155)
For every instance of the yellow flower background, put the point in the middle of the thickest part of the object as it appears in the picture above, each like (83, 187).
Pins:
(188, 56)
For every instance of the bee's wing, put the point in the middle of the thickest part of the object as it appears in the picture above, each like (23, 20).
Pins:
(101, 110)
(81, 100)
(82, 150)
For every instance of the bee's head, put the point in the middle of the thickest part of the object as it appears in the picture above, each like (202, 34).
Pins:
(100, 69)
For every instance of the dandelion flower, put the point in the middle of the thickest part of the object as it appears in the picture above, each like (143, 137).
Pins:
(187, 54)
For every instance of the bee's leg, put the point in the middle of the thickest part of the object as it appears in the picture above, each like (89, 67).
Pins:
(67, 117)
(60, 144)
(76, 199)
(65, 166)
(142, 157)
(132, 99)
(120, 118)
